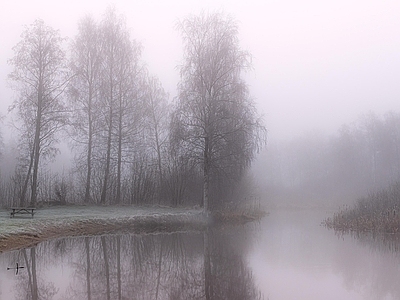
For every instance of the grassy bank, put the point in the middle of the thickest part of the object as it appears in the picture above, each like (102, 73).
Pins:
(237, 216)
(378, 212)
(54, 222)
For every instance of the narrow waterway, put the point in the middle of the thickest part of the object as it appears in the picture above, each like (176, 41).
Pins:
(288, 255)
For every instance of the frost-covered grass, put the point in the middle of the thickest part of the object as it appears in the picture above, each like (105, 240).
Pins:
(80, 220)
(66, 214)
(61, 221)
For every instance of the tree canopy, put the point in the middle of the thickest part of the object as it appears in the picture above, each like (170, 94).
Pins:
(215, 118)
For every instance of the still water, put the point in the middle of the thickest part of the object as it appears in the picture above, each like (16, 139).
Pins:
(296, 258)
(288, 255)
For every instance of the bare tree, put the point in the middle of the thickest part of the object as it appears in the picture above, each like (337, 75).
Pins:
(85, 63)
(214, 115)
(109, 28)
(158, 114)
(40, 78)
(120, 95)
(129, 105)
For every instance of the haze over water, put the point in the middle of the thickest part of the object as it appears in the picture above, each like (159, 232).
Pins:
(288, 255)
(316, 66)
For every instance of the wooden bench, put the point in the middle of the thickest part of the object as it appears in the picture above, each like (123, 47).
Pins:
(22, 210)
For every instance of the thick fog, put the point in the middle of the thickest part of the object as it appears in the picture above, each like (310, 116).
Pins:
(316, 64)
(316, 67)
(237, 107)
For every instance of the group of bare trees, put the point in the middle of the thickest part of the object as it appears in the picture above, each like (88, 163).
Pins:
(361, 157)
(130, 144)
(108, 97)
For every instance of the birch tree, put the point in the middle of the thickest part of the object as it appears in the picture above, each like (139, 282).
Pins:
(158, 114)
(215, 117)
(39, 76)
(84, 89)
(120, 95)
(129, 105)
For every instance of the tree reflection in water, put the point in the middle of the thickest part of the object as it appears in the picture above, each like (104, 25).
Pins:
(28, 285)
(205, 265)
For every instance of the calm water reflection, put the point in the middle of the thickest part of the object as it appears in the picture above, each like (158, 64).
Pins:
(207, 265)
(288, 256)
(296, 258)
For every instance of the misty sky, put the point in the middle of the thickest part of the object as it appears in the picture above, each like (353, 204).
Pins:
(317, 64)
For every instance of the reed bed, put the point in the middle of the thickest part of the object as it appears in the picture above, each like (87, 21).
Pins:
(377, 212)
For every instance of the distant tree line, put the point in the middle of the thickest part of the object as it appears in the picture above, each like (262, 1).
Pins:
(130, 144)
(361, 157)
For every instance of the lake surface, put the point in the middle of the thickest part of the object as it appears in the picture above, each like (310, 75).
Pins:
(296, 258)
(288, 255)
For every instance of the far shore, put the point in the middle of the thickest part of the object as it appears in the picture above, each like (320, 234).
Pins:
(382, 223)
(63, 221)
(377, 212)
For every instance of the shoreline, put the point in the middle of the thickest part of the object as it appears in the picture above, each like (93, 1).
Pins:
(376, 223)
(30, 238)
(57, 222)
(82, 221)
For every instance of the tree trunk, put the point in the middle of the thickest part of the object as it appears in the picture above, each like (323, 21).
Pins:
(108, 159)
(89, 153)
(22, 199)
(206, 174)
(89, 171)
(119, 159)
(36, 147)
(158, 147)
